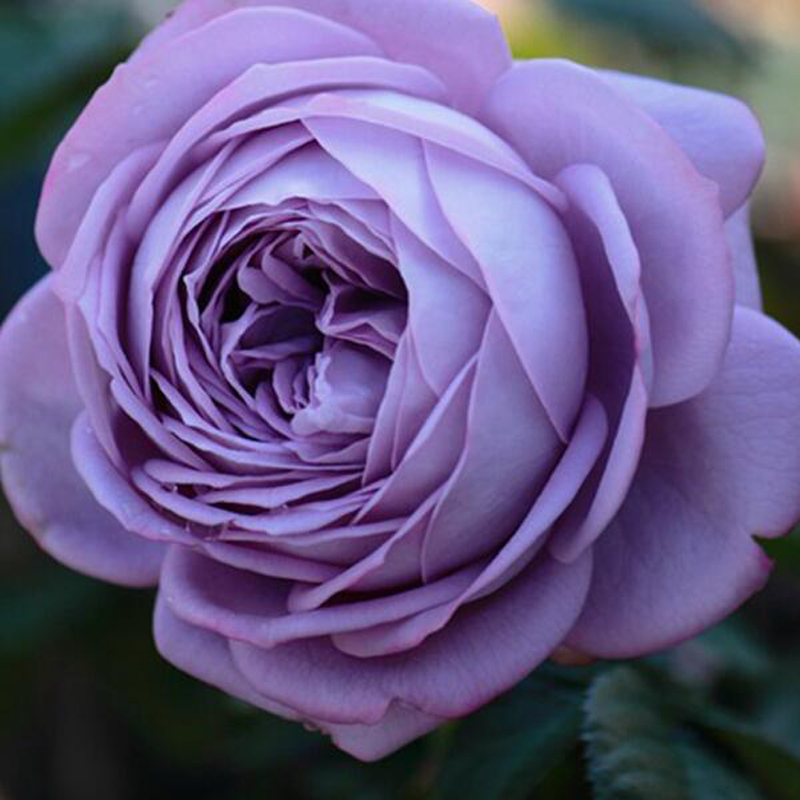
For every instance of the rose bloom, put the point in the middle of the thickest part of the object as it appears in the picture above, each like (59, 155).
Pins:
(397, 365)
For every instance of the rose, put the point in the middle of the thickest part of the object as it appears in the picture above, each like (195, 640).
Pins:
(395, 365)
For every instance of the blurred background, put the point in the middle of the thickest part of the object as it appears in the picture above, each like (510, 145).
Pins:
(87, 708)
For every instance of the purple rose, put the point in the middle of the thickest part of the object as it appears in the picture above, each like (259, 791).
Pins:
(395, 364)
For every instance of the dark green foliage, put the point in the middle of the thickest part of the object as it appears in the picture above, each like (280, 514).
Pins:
(504, 750)
(776, 766)
(785, 551)
(51, 61)
(638, 748)
(677, 25)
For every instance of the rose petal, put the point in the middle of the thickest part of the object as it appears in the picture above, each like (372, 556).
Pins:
(147, 100)
(570, 115)
(468, 59)
(434, 123)
(745, 268)
(514, 556)
(349, 384)
(307, 173)
(715, 472)
(381, 443)
(437, 291)
(263, 86)
(502, 467)
(87, 240)
(487, 648)
(38, 403)
(431, 456)
(396, 562)
(207, 656)
(719, 133)
(239, 604)
(114, 492)
(609, 265)
(393, 164)
(530, 271)
(400, 725)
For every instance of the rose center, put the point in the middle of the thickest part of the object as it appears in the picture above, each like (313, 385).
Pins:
(297, 326)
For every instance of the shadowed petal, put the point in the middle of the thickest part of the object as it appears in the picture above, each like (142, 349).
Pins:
(401, 724)
(205, 655)
(620, 355)
(113, 491)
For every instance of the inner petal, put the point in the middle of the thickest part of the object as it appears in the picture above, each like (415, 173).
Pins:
(346, 389)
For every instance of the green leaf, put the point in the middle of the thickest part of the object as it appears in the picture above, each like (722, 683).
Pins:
(708, 777)
(505, 749)
(51, 63)
(785, 551)
(778, 714)
(44, 607)
(639, 750)
(37, 50)
(776, 767)
(629, 749)
(679, 25)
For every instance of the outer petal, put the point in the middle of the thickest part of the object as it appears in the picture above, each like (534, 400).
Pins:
(207, 656)
(471, 55)
(745, 268)
(488, 647)
(149, 99)
(401, 725)
(719, 133)
(38, 402)
(114, 492)
(715, 472)
(558, 114)
(240, 604)
(265, 86)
